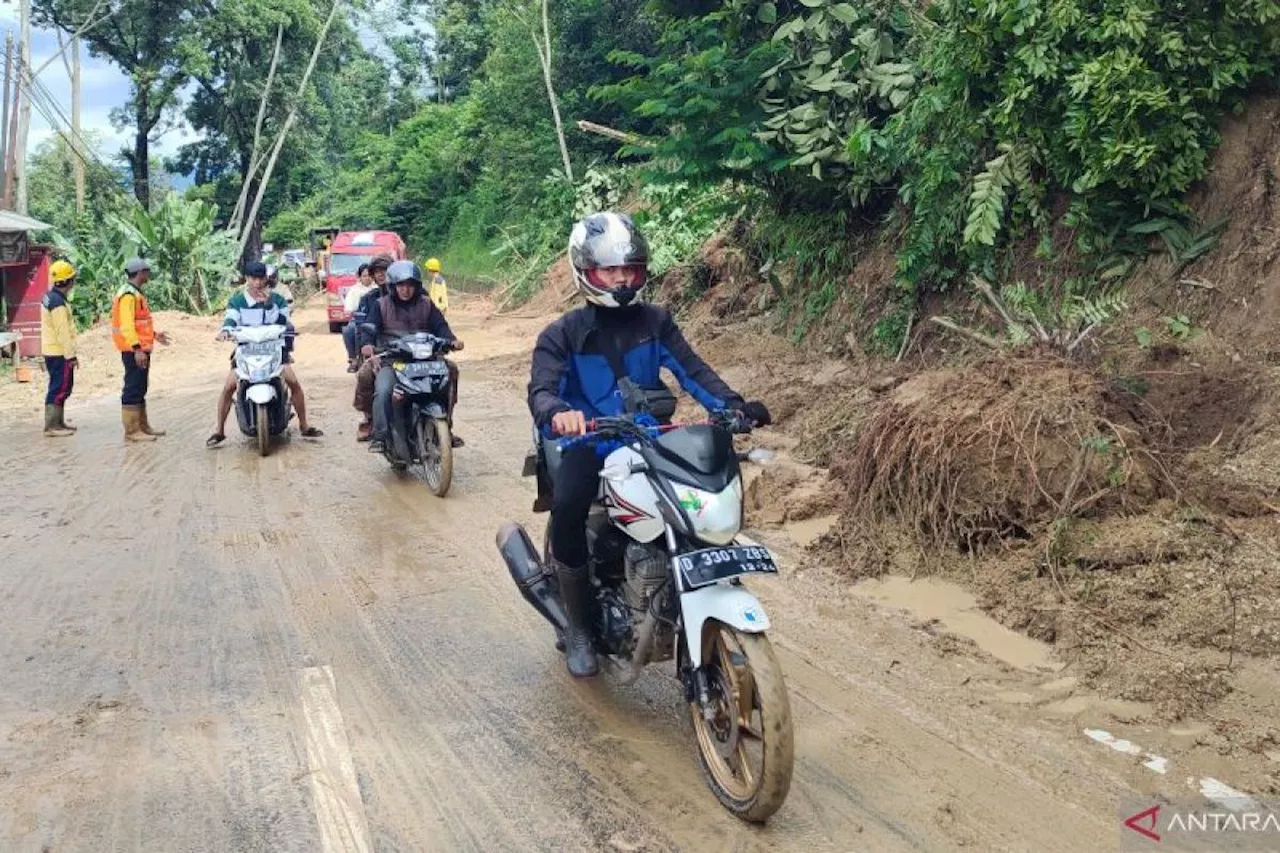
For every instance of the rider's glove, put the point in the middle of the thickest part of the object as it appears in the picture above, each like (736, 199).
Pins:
(756, 412)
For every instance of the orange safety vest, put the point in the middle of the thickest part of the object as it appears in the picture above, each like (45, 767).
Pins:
(141, 320)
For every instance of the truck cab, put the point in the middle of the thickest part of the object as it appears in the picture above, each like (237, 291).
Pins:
(347, 252)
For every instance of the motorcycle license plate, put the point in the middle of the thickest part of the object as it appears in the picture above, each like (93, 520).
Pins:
(705, 567)
(418, 369)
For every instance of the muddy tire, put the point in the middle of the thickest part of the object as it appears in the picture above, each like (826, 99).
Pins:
(746, 752)
(264, 430)
(435, 452)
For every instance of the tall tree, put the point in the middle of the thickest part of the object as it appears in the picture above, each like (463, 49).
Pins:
(230, 84)
(155, 43)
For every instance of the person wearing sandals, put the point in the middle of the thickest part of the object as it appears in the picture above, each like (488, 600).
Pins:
(257, 305)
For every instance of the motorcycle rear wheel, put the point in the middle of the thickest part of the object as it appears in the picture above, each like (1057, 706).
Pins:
(264, 429)
(435, 454)
(746, 751)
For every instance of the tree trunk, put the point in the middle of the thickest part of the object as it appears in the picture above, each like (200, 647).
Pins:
(253, 244)
(142, 148)
(544, 57)
(252, 224)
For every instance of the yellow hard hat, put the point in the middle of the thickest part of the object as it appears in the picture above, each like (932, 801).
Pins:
(433, 265)
(60, 271)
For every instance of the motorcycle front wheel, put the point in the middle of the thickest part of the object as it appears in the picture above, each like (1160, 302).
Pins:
(264, 429)
(745, 740)
(435, 454)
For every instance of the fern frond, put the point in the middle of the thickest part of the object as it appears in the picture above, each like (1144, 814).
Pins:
(987, 201)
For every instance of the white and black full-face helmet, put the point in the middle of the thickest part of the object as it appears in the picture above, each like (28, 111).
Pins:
(608, 240)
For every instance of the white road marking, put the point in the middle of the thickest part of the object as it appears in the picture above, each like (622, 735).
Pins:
(1211, 789)
(339, 809)
(1128, 747)
(1223, 794)
(1158, 764)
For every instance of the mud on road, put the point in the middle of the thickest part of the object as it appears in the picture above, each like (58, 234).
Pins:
(211, 651)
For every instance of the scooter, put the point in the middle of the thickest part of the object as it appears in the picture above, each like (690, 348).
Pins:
(262, 399)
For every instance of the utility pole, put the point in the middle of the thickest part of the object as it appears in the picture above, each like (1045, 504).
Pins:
(24, 99)
(4, 118)
(11, 130)
(77, 152)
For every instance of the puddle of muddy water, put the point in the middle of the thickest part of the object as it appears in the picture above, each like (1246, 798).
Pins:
(806, 532)
(957, 610)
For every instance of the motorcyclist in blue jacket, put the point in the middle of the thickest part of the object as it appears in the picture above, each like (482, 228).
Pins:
(580, 363)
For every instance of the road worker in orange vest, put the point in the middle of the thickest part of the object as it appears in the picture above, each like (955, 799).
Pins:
(135, 337)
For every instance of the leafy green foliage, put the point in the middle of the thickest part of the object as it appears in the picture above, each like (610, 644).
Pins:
(1116, 103)
(189, 258)
(971, 113)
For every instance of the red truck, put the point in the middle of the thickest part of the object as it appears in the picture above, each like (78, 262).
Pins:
(347, 252)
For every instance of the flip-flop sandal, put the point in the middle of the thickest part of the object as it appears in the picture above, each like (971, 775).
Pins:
(311, 432)
(457, 442)
(215, 439)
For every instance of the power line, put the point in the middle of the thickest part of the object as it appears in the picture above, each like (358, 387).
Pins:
(44, 103)
(52, 112)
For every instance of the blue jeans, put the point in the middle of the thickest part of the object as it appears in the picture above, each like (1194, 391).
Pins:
(349, 338)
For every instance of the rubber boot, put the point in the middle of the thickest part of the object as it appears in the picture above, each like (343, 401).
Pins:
(575, 591)
(146, 425)
(131, 417)
(53, 423)
(62, 418)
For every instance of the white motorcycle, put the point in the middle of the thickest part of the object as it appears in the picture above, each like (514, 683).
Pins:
(667, 566)
(262, 399)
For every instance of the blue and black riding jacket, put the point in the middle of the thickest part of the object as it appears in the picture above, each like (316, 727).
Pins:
(572, 370)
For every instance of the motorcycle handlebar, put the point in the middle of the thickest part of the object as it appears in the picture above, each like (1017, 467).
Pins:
(441, 346)
(604, 429)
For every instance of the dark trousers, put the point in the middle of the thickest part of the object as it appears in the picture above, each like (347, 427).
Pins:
(62, 378)
(135, 381)
(576, 485)
(349, 338)
(383, 386)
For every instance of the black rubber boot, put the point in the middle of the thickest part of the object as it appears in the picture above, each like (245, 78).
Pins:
(575, 591)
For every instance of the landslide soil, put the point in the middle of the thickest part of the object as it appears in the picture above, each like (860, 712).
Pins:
(1123, 508)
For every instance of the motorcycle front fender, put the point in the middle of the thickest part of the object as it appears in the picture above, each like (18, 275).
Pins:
(263, 393)
(732, 605)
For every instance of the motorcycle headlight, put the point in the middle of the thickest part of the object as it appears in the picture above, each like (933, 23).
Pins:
(716, 516)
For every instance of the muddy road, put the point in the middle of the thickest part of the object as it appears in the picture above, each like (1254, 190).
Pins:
(208, 651)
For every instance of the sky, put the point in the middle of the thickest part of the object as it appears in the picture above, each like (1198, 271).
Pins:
(103, 87)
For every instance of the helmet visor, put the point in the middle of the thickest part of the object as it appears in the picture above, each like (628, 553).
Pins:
(619, 277)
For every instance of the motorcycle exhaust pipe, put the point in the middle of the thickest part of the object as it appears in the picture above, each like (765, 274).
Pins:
(527, 571)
